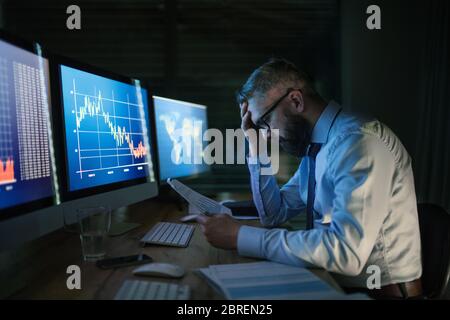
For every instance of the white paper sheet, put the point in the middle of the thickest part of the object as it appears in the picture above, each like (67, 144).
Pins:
(198, 200)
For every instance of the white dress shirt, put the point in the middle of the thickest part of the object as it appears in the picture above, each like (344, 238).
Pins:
(365, 210)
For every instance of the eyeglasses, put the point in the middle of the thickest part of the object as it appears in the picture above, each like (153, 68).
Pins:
(261, 123)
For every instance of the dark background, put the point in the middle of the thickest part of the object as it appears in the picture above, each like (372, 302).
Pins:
(202, 51)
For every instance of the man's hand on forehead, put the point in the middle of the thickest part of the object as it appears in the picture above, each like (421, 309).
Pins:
(243, 108)
(246, 117)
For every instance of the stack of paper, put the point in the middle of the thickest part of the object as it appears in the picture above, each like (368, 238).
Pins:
(269, 280)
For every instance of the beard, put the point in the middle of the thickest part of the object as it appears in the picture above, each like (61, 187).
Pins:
(296, 136)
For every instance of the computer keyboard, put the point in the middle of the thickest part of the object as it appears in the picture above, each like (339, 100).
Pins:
(169, 234)
(152, 290)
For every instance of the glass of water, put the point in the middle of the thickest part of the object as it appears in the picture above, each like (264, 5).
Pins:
(94, 225)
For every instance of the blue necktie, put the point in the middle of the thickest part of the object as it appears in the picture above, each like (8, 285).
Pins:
(314, 149)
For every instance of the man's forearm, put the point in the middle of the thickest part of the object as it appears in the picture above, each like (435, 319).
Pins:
(267, 197)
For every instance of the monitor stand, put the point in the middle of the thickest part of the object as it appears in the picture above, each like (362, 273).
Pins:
(120, 228)
(119, 225)
(168, 195)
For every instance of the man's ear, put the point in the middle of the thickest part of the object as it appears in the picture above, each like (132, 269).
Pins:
(296, 98)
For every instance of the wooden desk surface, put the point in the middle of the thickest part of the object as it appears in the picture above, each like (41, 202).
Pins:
(60, 249)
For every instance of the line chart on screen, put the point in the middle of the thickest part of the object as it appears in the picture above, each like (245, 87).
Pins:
(105, 129)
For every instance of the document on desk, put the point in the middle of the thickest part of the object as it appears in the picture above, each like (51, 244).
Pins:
(270, 280)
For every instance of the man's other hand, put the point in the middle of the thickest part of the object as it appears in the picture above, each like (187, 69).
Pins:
(220, 230)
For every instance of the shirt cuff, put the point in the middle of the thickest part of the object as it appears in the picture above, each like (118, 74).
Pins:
(250, 241)
(252, 161)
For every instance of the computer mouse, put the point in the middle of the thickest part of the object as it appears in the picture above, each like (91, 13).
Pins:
(189, 218)
(159, 270)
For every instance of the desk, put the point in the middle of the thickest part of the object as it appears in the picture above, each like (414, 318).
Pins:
(60, 249)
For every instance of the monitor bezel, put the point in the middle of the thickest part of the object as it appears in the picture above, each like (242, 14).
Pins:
(43, 203)
(60, 139)
(153, 112)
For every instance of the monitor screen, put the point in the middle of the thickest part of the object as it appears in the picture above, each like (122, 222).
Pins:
(179, 131)
(106, 130)
(25, 167)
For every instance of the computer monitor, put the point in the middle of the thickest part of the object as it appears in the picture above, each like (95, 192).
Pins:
(26, 171)
(106, 150)
(179, 128)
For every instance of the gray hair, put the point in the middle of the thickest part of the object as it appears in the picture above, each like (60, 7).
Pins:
(273, 73)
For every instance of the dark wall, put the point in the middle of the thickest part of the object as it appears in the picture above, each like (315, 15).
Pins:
(1, 13)
(381, 69)
(200, 51)
(388, 73)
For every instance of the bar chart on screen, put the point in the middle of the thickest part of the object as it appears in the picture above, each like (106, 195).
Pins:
(6, 138)
(106, 128)
(7, 172)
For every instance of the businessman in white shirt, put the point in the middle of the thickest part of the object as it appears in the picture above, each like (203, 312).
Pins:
(355, 185)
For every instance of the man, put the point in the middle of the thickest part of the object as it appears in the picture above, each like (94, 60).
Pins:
(355, 184)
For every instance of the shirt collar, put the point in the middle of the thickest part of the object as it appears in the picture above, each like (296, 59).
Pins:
(325, 122)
